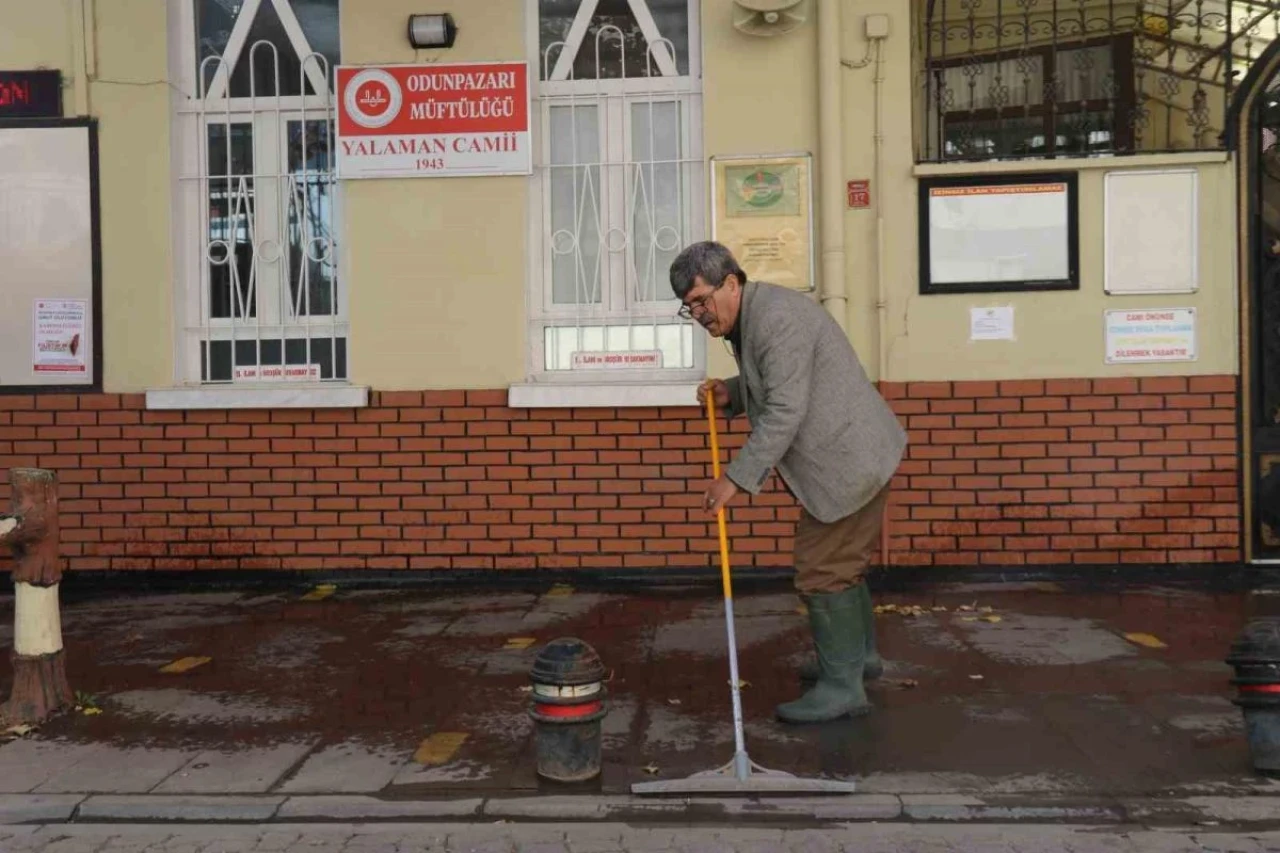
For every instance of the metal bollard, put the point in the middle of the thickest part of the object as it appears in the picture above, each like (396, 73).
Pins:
(1255, 655)
(568, 705)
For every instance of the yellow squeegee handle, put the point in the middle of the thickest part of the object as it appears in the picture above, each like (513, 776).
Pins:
(715, 469)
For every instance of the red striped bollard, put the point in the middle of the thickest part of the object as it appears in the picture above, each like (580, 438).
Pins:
(567, 707)
(1255, 654)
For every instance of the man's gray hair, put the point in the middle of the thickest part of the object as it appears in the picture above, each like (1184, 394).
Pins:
(710, 260)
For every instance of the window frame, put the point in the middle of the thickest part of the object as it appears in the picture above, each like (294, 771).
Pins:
(617, 95)
(1047, 112)
(270, 116)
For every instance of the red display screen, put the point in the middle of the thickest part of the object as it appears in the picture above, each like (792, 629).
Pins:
(30, 94)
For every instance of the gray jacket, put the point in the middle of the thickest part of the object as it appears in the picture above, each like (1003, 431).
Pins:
(814, 414)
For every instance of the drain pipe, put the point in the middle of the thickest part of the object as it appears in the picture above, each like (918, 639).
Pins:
(882, 289)
(831, 162)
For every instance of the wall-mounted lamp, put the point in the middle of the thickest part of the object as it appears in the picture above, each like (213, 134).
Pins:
(432, 30)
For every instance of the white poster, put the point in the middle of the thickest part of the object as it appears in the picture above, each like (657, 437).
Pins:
(1000, 233)
(991, 324)
(614, 360)
(1161, 334)
(58, 336)
(277, 373)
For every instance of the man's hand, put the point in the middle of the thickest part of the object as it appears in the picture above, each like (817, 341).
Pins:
(721, 492)
(721, 389)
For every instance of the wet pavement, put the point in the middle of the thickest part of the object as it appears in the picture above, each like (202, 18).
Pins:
(994, 689)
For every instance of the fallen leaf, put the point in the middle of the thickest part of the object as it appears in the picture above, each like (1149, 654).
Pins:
(185, 665)
(651, 769)
(968, 618)
(939, 609)
(977, 677)
(988, 609)
(19, 730)
(742, 683)
(992, 618)
(92, 712)
(907, 683)
(520, 642)
(321, 592)
(1151, 642)
(965, 608)
(560, 590)
(673, 701)
(439, 748)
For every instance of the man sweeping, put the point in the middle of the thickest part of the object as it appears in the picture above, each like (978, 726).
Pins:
(817, 420)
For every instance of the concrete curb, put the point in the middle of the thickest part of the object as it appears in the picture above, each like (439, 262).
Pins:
(1246, 810)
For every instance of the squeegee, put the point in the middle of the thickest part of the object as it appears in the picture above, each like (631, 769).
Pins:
(741, 775)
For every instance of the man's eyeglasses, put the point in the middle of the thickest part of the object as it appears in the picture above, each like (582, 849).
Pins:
(687, 311)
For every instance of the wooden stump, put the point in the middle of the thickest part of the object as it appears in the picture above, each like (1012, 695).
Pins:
(37, 538)
(40, 686)
(40, 689)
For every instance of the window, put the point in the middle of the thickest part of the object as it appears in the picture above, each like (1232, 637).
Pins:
(618, 188)
(1035, 102)
(256, 226)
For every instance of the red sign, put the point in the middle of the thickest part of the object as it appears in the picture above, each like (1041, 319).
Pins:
(30, 94)
(432, 120)
(859, 193)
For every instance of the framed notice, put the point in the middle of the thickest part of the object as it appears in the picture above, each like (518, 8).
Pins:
(762, 210)
(1152, 225)
(999, 233)
(433, 120)
(1155, 334)
(51, 274)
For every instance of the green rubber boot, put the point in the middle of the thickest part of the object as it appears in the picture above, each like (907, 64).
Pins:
(874, 666)
(837, 624)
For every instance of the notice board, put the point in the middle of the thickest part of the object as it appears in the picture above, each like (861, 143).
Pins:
(50, 256)
(999, 233)
(1152, 231)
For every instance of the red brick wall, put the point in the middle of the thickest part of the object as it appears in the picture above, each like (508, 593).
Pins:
(1061, 471)
(997, 473)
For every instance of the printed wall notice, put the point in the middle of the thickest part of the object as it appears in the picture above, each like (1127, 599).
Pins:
(58, 336)
(421, 121)
(615, 360)
(1162, 334)
(991, 324)
(763, 213)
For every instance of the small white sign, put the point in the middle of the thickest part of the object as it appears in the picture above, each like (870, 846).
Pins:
(58, 339)
(277, 373)
(615, 360)
(991, 324)
(1160, 334)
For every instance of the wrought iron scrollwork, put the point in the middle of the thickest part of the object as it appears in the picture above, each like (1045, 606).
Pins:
(1036, 78)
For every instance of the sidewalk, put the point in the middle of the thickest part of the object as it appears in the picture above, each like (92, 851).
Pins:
(407, 705)
(463, 838)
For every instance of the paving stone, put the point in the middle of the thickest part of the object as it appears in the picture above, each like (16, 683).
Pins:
(371, 808)
(345, 768)
(242, 772)
(30, 808)
(108, 769)
(179, 808)
(26, 764)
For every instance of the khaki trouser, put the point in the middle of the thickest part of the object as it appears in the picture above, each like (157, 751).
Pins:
(833, 557)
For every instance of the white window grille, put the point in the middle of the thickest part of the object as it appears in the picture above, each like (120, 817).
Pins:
(256, 222)
(618, 187)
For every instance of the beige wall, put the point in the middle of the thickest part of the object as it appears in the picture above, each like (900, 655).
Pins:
(437, 268)
(1060, 334)
(126, 92)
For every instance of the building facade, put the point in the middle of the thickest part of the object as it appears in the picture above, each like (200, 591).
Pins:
(350, 303)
